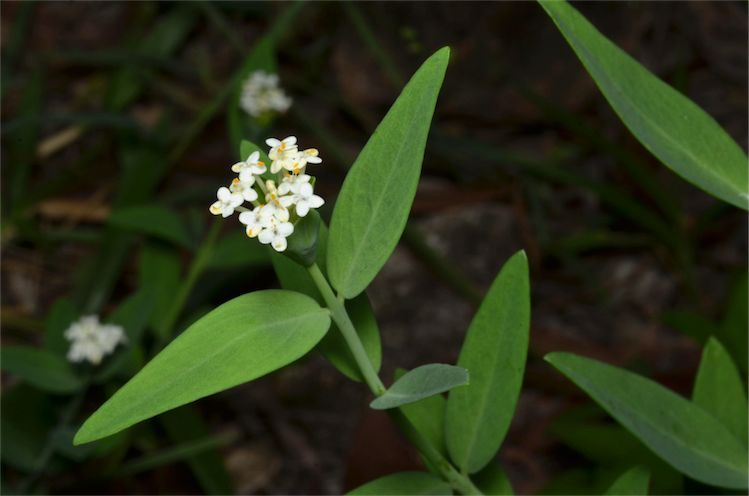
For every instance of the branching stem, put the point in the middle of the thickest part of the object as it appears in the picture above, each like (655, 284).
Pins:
(447, 471)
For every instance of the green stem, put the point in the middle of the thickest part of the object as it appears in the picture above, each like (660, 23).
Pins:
(202, 257)
(458, 481)
(342, 320)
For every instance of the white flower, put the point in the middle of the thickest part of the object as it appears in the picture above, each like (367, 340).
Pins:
(276, 233)
(251, 166)
(291, 183)
(261, 94)
(304, 199)
(273, 205)
(310, 156)
(283, 153)
(91, 340)
(227, 202)
(255, 220)
(243, 186)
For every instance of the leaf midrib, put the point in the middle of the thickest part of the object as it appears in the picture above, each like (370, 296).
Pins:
(590, 61)
(206, 358)
(360, 246)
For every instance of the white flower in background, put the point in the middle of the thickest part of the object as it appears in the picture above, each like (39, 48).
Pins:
(276, 233)
(261, 94)
(287, 197)
(304, 199)
(243, 186)
(251, 166)
(227, 202)
(91, 340)
(256, 220)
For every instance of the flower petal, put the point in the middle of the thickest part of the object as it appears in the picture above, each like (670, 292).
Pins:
(279, 243)
(272, 142)
(302, 208)
(266, 236)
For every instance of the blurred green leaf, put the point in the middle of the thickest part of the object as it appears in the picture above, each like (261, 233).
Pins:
(40, 368)
(735, 325)
(680, 432)
(669, 125)
(159, 270)
(185, 424)
(427, 416)
(691, 324)
(153, 220)
(261, 57)
(293, 276)
(59, 318)
(403, 483)
(493, 480)
(302, 244)
(133, 314)
(375, 199)
(610, 445)
(237, 250)
(634, 481)
(241, 340)
(24, 427)
(494, 352)
(419, 383)
(22, 143)
(719, 390)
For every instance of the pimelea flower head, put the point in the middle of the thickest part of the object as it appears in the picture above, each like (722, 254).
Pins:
(91, 340)
(286, 198)
(261, 94)
(250, 167)
(226, 203)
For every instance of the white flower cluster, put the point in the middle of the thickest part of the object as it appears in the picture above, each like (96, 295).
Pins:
(92, 340)
(262, 94)
(271, 221)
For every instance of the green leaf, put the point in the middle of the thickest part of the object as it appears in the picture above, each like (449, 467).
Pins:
(493, 480)
(685, 138)
(152, 220)
(133, 315)
(60, 316)
(427, 416)
(302, 246)
(419, 383)
(237, 250)
(239, 123)
(241, 340)
(25, 427)
(293, 276)
(680, 432)
(494, 352)
(403, 483)
(634, 481)
(718, 389)
(733, 327)
(41, 368)
(185, 424)
(372, 208)
(159, 271)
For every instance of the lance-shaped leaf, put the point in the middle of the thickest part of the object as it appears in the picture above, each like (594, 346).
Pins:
(493, 480)
(419, 383)
(634, 481)
(239, 341)
(39, 367)
(428, 417)
(494, 352)
(372, 208)
(685, 138)
(403, 483)
(719, 390)
(153, 220)
(680, 432)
